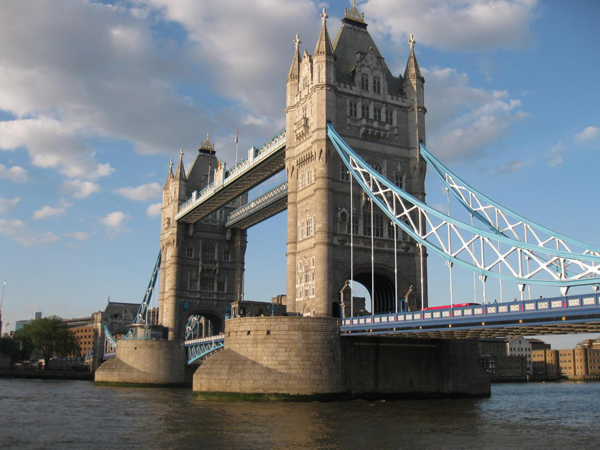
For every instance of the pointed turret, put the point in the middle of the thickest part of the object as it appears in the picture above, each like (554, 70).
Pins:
(294, 73)
(180, 171)
(324, 46)
(413, 81)
(169, 175)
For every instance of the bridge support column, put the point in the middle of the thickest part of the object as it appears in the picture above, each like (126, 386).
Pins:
(145, 362)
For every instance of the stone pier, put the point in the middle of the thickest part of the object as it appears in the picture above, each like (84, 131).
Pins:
(303, 357)
(145, 362)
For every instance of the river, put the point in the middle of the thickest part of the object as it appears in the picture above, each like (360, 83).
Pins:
(37, 414)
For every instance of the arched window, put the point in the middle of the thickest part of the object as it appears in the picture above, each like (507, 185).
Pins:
(375, 165)
(377, 85)
(208, 252)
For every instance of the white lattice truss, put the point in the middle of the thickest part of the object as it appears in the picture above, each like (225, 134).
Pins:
(499, 252)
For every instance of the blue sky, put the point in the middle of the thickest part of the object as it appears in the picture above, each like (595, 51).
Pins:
(95, 97)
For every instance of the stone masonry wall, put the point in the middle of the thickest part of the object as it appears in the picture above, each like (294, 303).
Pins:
(275, 355)
(157, 362)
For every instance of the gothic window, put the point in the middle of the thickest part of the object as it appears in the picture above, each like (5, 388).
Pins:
(193, 282)
(389, 116)
(312, 285)
(226, 255)
(353, 109)
(378, 225)
(364, 82)
(344, 175)
(221, 285)
(301, 179)
(312, 262)
(208, 252)
(377, 113)
(189, 253)
(354, 224)
(377, 85)
(367, 223)
(399, 179)
(365, 111)
(390, 230)
(207, 283)
(375, 165)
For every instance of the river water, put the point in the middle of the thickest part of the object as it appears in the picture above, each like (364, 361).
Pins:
(36, 414)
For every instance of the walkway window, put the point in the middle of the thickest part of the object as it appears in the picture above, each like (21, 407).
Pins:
(364, 82)
(208, 252)
(377, 85)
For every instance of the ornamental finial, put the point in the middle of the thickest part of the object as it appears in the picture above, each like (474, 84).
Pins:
(353, 14)
(180, 153)
(297, 41)
(324, 16)
(206, 145)
(412, 41)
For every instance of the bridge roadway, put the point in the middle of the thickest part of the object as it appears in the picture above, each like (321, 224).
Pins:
(562, 315)
(260, 165)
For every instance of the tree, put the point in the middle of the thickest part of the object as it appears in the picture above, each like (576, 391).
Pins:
(15, 348)
(50, 336)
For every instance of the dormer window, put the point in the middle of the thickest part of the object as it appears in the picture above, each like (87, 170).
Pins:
(377, 85)
(364, 82)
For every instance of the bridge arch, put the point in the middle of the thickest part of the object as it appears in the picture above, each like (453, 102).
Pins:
(211, 323)
(384, 286)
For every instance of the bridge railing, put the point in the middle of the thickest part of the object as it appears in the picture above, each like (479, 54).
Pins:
(255, 155)
(544, 307)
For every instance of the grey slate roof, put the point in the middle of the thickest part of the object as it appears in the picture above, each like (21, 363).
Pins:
(353, 37)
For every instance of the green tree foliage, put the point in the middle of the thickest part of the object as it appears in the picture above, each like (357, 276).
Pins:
(15, 348)
(51, 337)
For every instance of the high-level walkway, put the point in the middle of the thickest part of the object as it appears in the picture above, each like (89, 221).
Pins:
(261, 164)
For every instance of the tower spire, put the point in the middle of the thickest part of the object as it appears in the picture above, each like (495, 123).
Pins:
(294, 73)
(180, 171)
(412, 67)
(324, 46)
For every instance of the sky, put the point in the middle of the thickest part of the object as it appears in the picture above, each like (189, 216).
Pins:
(97, 96)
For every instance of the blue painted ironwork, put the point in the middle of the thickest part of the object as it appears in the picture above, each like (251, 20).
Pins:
(574, 309)
(140, 317)
(258, 204)
(110, 344)
(203, 347)
(434, 230)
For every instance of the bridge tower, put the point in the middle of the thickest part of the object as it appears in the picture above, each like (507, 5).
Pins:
(202, 264)
(382, 117)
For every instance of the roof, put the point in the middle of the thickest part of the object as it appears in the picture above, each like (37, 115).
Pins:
(352, 38)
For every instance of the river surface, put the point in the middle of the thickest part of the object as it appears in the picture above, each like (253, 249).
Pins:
(36, 414)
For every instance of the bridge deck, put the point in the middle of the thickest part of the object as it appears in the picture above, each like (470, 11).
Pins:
(564, 315)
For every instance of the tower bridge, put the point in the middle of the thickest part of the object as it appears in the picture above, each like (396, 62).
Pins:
(355, 157)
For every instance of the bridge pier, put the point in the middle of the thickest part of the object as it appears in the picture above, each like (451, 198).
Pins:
(305, 357)
(145, 362)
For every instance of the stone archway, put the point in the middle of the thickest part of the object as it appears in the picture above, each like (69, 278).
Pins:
(384, 293)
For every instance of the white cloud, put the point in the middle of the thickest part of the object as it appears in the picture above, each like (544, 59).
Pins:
(463, 120)
(154, 210)
(7, 203)
(15, 173)
(77, 235)
(513, 166)
(80, 189)
(588, 134)
(141, 193)
(115, 222)
(19, 232)
(553, 156)
(47, 212)
(468, 25)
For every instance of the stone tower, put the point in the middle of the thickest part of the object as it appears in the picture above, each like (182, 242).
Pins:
(202, 264)
(382, 117)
